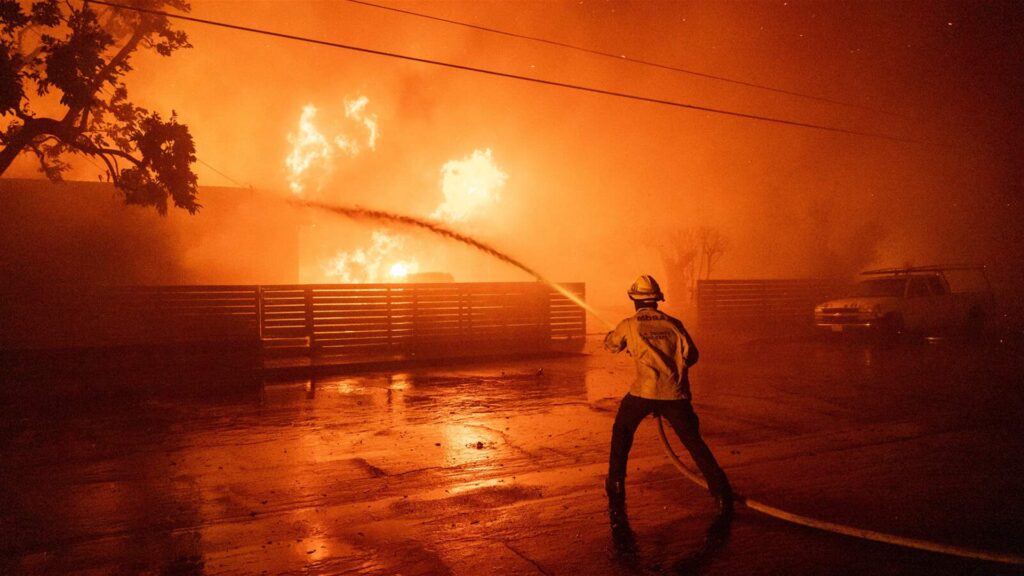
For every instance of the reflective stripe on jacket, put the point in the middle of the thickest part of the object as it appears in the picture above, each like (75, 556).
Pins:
(662, 350)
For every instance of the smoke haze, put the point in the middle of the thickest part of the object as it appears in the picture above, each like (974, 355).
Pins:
(596, 186)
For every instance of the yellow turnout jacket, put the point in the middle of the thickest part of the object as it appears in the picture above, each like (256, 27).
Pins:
(662, 350)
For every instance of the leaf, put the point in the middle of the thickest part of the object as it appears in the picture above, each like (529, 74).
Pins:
(11, 16)
(46, 13)
(11, 88)
(73, 64)
(77, 57)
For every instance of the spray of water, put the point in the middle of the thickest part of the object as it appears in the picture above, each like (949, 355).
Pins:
(358, 213)
(366, 214)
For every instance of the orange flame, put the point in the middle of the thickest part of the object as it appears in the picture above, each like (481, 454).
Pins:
(356, 110)
(469, 185)
(376, 264)
(312, 154)
(309, 149)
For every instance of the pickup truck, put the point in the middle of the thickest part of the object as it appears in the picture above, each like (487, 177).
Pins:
(918, 300)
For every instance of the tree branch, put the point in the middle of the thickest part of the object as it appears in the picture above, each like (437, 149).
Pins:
(45, 140)
(28, 58)
(104, 75)
(40, 126)
(111, 168)
(141, 32)
(63, 132)
(93, 150)
(84, 120)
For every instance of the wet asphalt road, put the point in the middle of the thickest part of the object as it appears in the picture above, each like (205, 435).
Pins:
(497, 468)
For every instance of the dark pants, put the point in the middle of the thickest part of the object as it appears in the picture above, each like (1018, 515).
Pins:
(680, 415)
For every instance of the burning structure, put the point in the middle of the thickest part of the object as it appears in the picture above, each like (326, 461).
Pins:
(468, 185)
(752, 143)
(607, 180)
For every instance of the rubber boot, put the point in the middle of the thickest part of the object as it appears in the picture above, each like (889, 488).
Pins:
(719, 528)
(724, 503)
(616, 490)
(622, 535)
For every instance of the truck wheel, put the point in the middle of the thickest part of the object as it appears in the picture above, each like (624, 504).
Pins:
(890, 327)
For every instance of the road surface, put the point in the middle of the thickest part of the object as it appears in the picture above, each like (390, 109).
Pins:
(498, 467)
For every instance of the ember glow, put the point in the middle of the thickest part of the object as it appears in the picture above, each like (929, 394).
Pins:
(381, 261)
(400, 270)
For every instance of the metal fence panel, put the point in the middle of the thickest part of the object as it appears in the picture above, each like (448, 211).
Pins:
(754, 304)
(328, 320)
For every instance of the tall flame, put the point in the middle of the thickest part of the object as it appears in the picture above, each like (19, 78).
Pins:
(468, 185)
(313, 153)
(309, 149)
(356, 110)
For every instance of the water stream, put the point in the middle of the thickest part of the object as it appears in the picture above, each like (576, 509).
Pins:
(359, 213)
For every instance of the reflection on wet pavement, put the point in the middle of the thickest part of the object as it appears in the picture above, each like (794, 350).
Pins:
(498, 468)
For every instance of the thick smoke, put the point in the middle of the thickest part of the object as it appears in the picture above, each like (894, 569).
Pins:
(596, 184)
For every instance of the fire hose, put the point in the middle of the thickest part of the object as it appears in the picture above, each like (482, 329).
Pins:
(363, 213)
(834, 527)
(843, 529)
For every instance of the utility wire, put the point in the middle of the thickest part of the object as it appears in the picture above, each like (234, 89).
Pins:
(624, 58)
(496, 73)
(223, 175)
(199, 160)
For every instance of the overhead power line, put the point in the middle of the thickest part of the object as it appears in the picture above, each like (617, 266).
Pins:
(222, 175)
(624, 58)
(496, 73)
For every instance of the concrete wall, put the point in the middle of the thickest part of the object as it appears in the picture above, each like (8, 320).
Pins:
(82, 234)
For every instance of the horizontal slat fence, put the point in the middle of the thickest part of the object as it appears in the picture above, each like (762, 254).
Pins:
(99, 317)
(324, 321)
(754, 304)
(442, 319)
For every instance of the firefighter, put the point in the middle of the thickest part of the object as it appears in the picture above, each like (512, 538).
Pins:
(663, 352)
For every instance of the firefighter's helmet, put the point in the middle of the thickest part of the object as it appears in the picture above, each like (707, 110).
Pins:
(645, 288)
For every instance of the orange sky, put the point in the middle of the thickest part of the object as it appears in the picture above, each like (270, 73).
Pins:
(597, 184)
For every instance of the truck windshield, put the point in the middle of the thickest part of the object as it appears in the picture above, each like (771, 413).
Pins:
(881, 287)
